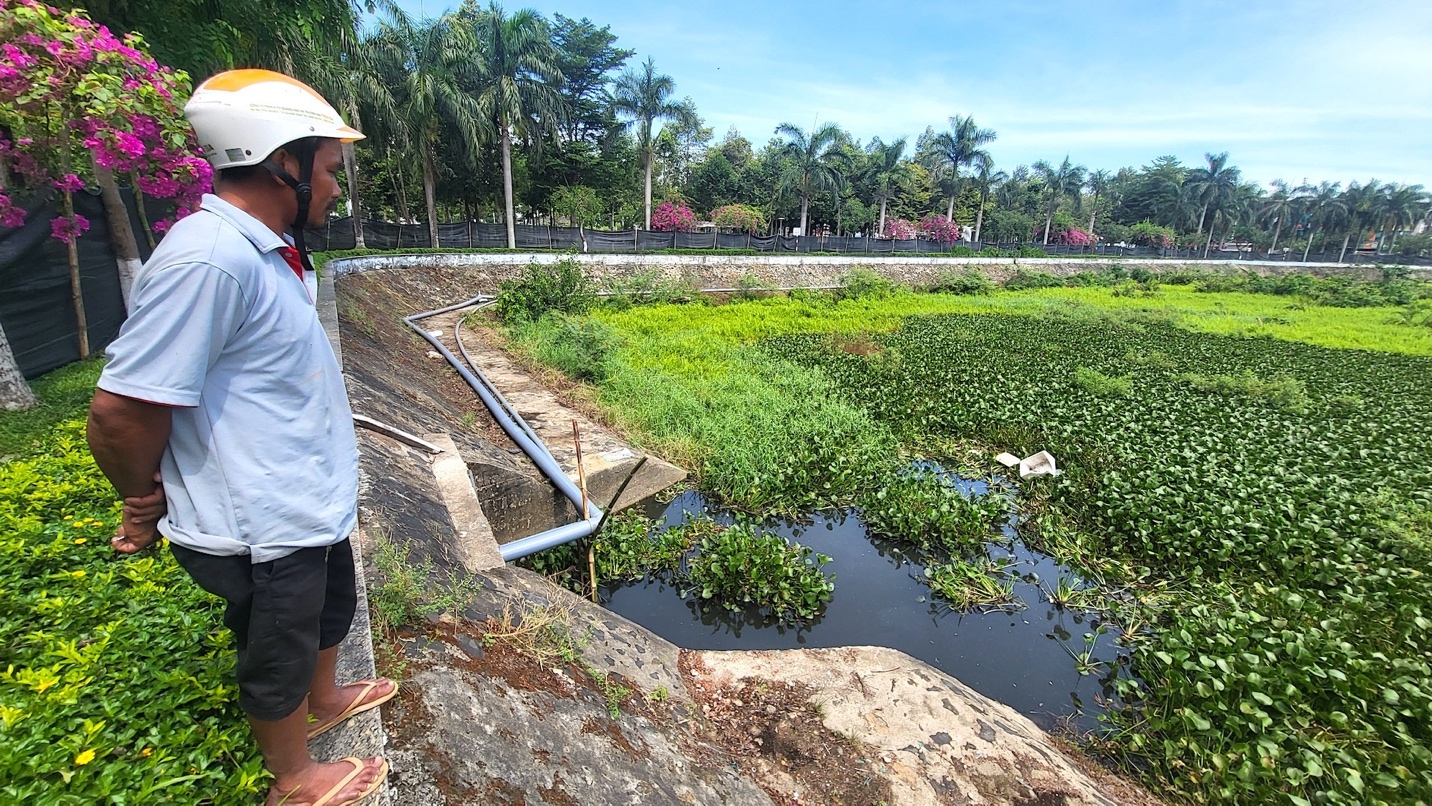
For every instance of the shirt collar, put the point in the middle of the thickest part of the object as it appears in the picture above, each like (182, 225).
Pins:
(264, 239)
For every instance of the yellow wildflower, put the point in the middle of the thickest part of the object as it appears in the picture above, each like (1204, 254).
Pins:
(80, 541)
(77, 573)
(84, 758)
(147, 752)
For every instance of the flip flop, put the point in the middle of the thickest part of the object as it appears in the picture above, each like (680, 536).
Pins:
(358, 766)
(358, 706)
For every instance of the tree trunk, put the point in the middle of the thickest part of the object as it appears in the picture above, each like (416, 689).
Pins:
(1048, 222)
(1208, 243)
(121, 234)
(883, 201)
(950, 211)
(143, 216)
(805, 205)
(1277, 229)
(979, 221)
(76, 292)
(430, 190)
(1201, 217)
(646, 203)
(1343, 253)
(350, 166)
(1309, 247)
(507, 185)
(15, 394)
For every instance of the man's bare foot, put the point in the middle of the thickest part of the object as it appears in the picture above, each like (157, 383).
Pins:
(310, 785)
(346, 701)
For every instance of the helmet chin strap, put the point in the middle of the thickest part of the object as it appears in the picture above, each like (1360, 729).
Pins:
(304, 151)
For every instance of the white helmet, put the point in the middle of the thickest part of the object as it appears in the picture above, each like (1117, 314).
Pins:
(242, 116)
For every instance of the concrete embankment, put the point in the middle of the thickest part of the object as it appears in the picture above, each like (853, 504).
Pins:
(485, 271)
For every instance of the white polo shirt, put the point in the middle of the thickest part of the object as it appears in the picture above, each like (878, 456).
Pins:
(262, 459)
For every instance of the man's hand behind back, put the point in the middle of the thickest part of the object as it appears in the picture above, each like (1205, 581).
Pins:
(139, 520)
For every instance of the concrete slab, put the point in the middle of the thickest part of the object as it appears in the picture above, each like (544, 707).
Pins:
(476, 548)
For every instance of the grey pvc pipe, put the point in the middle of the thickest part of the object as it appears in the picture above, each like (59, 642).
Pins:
(521, 433)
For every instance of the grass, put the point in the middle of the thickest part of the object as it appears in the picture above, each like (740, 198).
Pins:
(64, 394)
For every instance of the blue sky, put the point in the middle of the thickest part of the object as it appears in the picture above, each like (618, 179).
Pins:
(1292, 90)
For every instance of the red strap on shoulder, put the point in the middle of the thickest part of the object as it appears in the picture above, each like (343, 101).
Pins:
(290, 256)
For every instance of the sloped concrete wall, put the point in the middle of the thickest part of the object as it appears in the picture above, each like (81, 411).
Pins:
(799, 271)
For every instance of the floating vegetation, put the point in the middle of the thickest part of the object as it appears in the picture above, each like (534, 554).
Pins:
(1264, 502)
(981, 585)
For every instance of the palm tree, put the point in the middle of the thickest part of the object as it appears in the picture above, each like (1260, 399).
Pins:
(1212, 186)
(645, 96)
(985, 180)
(958, 147)
(1357, 202)
(1400, 206)
(1098, 184)
(426, 65)
(517, 80)
(1279, 207)
(1058, 184)
(1322, 207)
(887, 168)
(813, 164)
(350, 74)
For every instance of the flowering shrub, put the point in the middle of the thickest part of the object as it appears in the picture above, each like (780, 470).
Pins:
(1146, 233)
(672, 217)
(69, 88)
(742, 217)
(899, 229)
(936, 228)
(1072, 236)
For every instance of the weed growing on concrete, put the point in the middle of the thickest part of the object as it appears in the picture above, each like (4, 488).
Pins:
(405, 593)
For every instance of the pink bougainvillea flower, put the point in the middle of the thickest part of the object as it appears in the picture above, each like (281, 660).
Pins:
(69, 182)
(69, 229)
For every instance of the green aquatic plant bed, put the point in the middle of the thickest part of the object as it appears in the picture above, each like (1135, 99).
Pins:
(115, 675)
(1214, 443)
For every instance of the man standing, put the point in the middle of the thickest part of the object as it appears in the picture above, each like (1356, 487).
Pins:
(223, 422)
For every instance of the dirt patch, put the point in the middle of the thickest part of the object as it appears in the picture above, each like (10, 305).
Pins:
(789, 751)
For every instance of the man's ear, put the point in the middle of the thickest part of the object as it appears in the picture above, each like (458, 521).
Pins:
(284, 160)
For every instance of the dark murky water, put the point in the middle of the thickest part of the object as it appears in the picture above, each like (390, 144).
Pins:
(1022, 659)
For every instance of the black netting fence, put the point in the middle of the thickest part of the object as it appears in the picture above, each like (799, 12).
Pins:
(36, 307)
(338, 234)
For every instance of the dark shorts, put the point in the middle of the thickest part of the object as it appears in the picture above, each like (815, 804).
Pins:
(282, 613)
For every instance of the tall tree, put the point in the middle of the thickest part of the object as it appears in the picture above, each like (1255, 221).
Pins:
(426, 65)
(985, 181)
(1400, 206)
(1323, 207)
(517, 82)
(1278, 209)
(813, 163)
(886, 166)
(1211, 186)
(1098, 183)
(1057, 184)
(957, 148)
(644, 96)
(586, 57)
